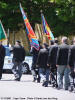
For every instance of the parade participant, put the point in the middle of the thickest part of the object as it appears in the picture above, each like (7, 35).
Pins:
(34, 53)
(72, 59)
(52, 54)
(63, 68)
(72, 55)
(52, 60)
(42, 64)
(2, 55)
(18, 57)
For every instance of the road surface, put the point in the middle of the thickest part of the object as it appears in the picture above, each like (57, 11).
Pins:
(28, 90)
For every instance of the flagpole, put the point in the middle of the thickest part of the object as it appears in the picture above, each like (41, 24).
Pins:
(8, 38)
(43, 38)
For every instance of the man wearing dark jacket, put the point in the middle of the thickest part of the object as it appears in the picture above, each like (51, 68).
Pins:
(62, 64)
(18, 57)
(2, 55)
(34, 53)
(42, 64)
(72, 58)
(52, 59)
(52, 54)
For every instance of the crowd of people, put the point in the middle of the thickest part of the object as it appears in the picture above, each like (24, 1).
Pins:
(50, 63)
(54, 60)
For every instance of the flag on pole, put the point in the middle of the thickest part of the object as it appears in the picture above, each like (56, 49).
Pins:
(2, 32)
(31, 35)
(46, 29)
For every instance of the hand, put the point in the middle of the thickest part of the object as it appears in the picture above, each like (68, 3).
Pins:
(48, 65)
(74, 69)
(56, 65)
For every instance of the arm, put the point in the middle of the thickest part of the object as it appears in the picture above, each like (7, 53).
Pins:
(49, 57)
(31, 50)
(57, 56)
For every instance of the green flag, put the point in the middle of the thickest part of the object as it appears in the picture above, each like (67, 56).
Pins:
(2, 32)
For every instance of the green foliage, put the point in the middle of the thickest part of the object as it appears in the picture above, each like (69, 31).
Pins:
(60, 14)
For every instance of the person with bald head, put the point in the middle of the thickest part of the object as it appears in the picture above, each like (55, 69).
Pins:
(63, 68)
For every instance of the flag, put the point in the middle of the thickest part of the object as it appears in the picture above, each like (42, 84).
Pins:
(2, 32)
(31, 35)
(46, 29)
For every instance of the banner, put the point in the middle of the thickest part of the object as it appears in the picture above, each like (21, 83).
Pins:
(46, 29)
(2, 32)
(31, 35)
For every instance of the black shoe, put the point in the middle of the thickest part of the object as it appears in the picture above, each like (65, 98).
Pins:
(44, 85)
(66, 88)
(38, 80)
(34, 79)
(17, 79)
(49, 82)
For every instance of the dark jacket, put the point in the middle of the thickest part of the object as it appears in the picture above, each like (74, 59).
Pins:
(18, 53)
(42, 58)
(63, 54)
(72, 56)
(2, 53)
(52, 55)
(34, 53)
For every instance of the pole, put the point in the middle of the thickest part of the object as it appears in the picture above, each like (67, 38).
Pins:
(13, 37)
(8, 36)
(13, 28)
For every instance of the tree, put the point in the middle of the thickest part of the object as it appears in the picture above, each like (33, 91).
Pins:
(60, 14)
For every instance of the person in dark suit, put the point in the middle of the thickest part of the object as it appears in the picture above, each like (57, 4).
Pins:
(42, 64)
(18, 57)
(52, 59)
(72, 58)
(34, 54)
(2, 56)
(63, 68)
(52, 54)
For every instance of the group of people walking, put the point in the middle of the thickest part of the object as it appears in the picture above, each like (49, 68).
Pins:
(59, 58)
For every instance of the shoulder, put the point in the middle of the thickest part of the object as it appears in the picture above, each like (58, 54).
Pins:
(2, 46)
(72, 47)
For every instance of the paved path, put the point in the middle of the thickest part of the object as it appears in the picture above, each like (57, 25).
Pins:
(28, 90)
